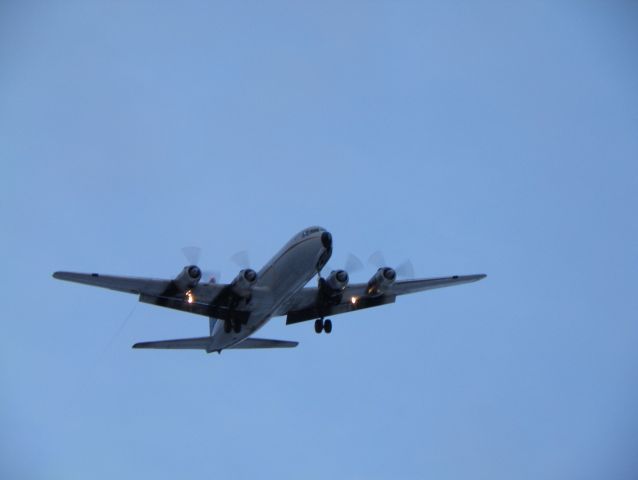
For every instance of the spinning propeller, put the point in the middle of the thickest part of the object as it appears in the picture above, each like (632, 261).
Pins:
(351, 265)
(193, 255)
(241, 259)
(405, 270)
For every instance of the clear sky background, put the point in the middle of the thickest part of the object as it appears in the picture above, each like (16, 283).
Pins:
(471, 137)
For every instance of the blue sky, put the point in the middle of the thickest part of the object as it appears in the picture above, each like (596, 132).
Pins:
(468, 136)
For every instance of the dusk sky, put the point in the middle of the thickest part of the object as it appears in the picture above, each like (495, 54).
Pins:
(469, 137)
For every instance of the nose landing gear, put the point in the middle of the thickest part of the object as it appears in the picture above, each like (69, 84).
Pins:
(322, 325)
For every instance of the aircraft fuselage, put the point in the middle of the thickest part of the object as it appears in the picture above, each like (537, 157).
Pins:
(280, 279)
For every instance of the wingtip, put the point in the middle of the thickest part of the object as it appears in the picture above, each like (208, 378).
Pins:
(474, 277)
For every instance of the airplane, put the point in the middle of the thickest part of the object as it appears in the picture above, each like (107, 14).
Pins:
(238, 309)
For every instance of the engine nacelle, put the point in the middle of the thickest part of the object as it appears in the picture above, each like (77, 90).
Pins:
(381, 280)
(188, 278)
(243, 282)
(336, 282)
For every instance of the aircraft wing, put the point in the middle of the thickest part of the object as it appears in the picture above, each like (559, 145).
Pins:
(309, 304)
(161, 292)
(137, 285)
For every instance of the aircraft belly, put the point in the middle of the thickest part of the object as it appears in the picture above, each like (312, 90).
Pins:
(286, 276)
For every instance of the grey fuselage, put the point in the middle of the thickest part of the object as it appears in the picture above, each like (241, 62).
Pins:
(283, 276)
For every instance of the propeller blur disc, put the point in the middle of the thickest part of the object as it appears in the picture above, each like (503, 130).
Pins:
(353, 264)
(192, 254)
(242, 259)
(405, 270)
(377, 260)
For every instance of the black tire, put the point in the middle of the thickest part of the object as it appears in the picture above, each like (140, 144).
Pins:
(318, 325)
(327, 326)
(227, 326)
(237, 326)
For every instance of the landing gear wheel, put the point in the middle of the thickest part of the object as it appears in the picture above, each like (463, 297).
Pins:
(327, 326)
(228, 326)
(236, 326)
(319, 325)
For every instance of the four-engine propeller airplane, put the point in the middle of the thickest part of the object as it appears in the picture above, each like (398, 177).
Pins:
(238, 309)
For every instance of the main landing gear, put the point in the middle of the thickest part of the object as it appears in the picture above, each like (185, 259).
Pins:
(322, 325)
(232, 325)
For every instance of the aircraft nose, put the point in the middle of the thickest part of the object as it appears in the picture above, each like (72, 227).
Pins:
(326, 239)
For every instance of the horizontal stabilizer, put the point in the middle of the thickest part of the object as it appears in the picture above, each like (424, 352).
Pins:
(200, 343)
(206, 343)
(265, 343)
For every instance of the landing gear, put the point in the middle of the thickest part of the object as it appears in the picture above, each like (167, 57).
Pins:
(322, 325)
(327, 326)
(236, 325)
(233, 325)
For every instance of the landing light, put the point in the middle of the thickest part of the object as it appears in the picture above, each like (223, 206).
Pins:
(190, 298)
(353, 300)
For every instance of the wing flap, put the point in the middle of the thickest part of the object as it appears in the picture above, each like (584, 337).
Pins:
(319, 310)
(196, 307)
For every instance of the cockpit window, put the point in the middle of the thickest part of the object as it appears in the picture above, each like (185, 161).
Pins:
(309, 231)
